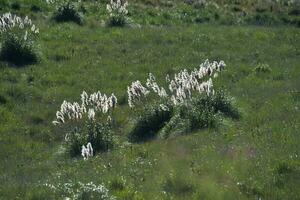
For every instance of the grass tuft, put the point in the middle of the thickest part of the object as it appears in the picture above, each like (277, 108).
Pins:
(67, 12)
(18, 52)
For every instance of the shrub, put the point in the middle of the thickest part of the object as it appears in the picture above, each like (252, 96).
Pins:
(199, 115)
(223, 103)
(200, 112)
(149, 122)
(100, 136)
(117, 10)
(175, 126)
(18, 51)
(97, 134)
(191, 103)
(18, 37)
(87, 118)
(67, 12)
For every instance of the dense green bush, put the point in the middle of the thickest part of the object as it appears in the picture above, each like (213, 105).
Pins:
(201, 111)
(117, 10)
(98, 134)
(149, 122)
(67, 12)
(18, 36)
(223, 103)
(18, 51)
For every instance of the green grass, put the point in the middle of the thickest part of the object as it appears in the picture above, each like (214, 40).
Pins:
(255, 156)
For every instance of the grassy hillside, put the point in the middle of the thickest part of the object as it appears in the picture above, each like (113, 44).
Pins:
(255, 157)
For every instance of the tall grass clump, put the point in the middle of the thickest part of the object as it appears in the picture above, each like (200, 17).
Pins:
(152, 118)
(117, 10)
(189, 103)
(18, 38)
(91, 122)
(67, 11)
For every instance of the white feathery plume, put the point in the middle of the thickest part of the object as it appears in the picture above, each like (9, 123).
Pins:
(89, 106)
(91, 114)
(87, 151)
(10, 23)
(182, 86)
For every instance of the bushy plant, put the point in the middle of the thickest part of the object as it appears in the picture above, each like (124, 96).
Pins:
(67, 11)
(117, 10)
(198, 112)
(223, 103)
(149, 122)
(201, 111)
(91, 120)
(191, 103)
(18, 36)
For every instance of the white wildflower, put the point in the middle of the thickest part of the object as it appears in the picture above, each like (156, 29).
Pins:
(89, 106)
(23, 28)
(91, 114)
(182, 86)
(87, 151)
(135, 92)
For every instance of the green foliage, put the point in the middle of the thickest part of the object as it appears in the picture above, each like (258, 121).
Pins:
(200, 112)
(75, 141)
(223, 103)
(3, 4)
(16, 6)
(68, 12)
(267, 19)
(151, 119)
(118, 20)
(18, 51)
(98, 134)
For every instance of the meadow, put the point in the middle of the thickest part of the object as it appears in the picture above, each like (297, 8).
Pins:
(256, 156)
